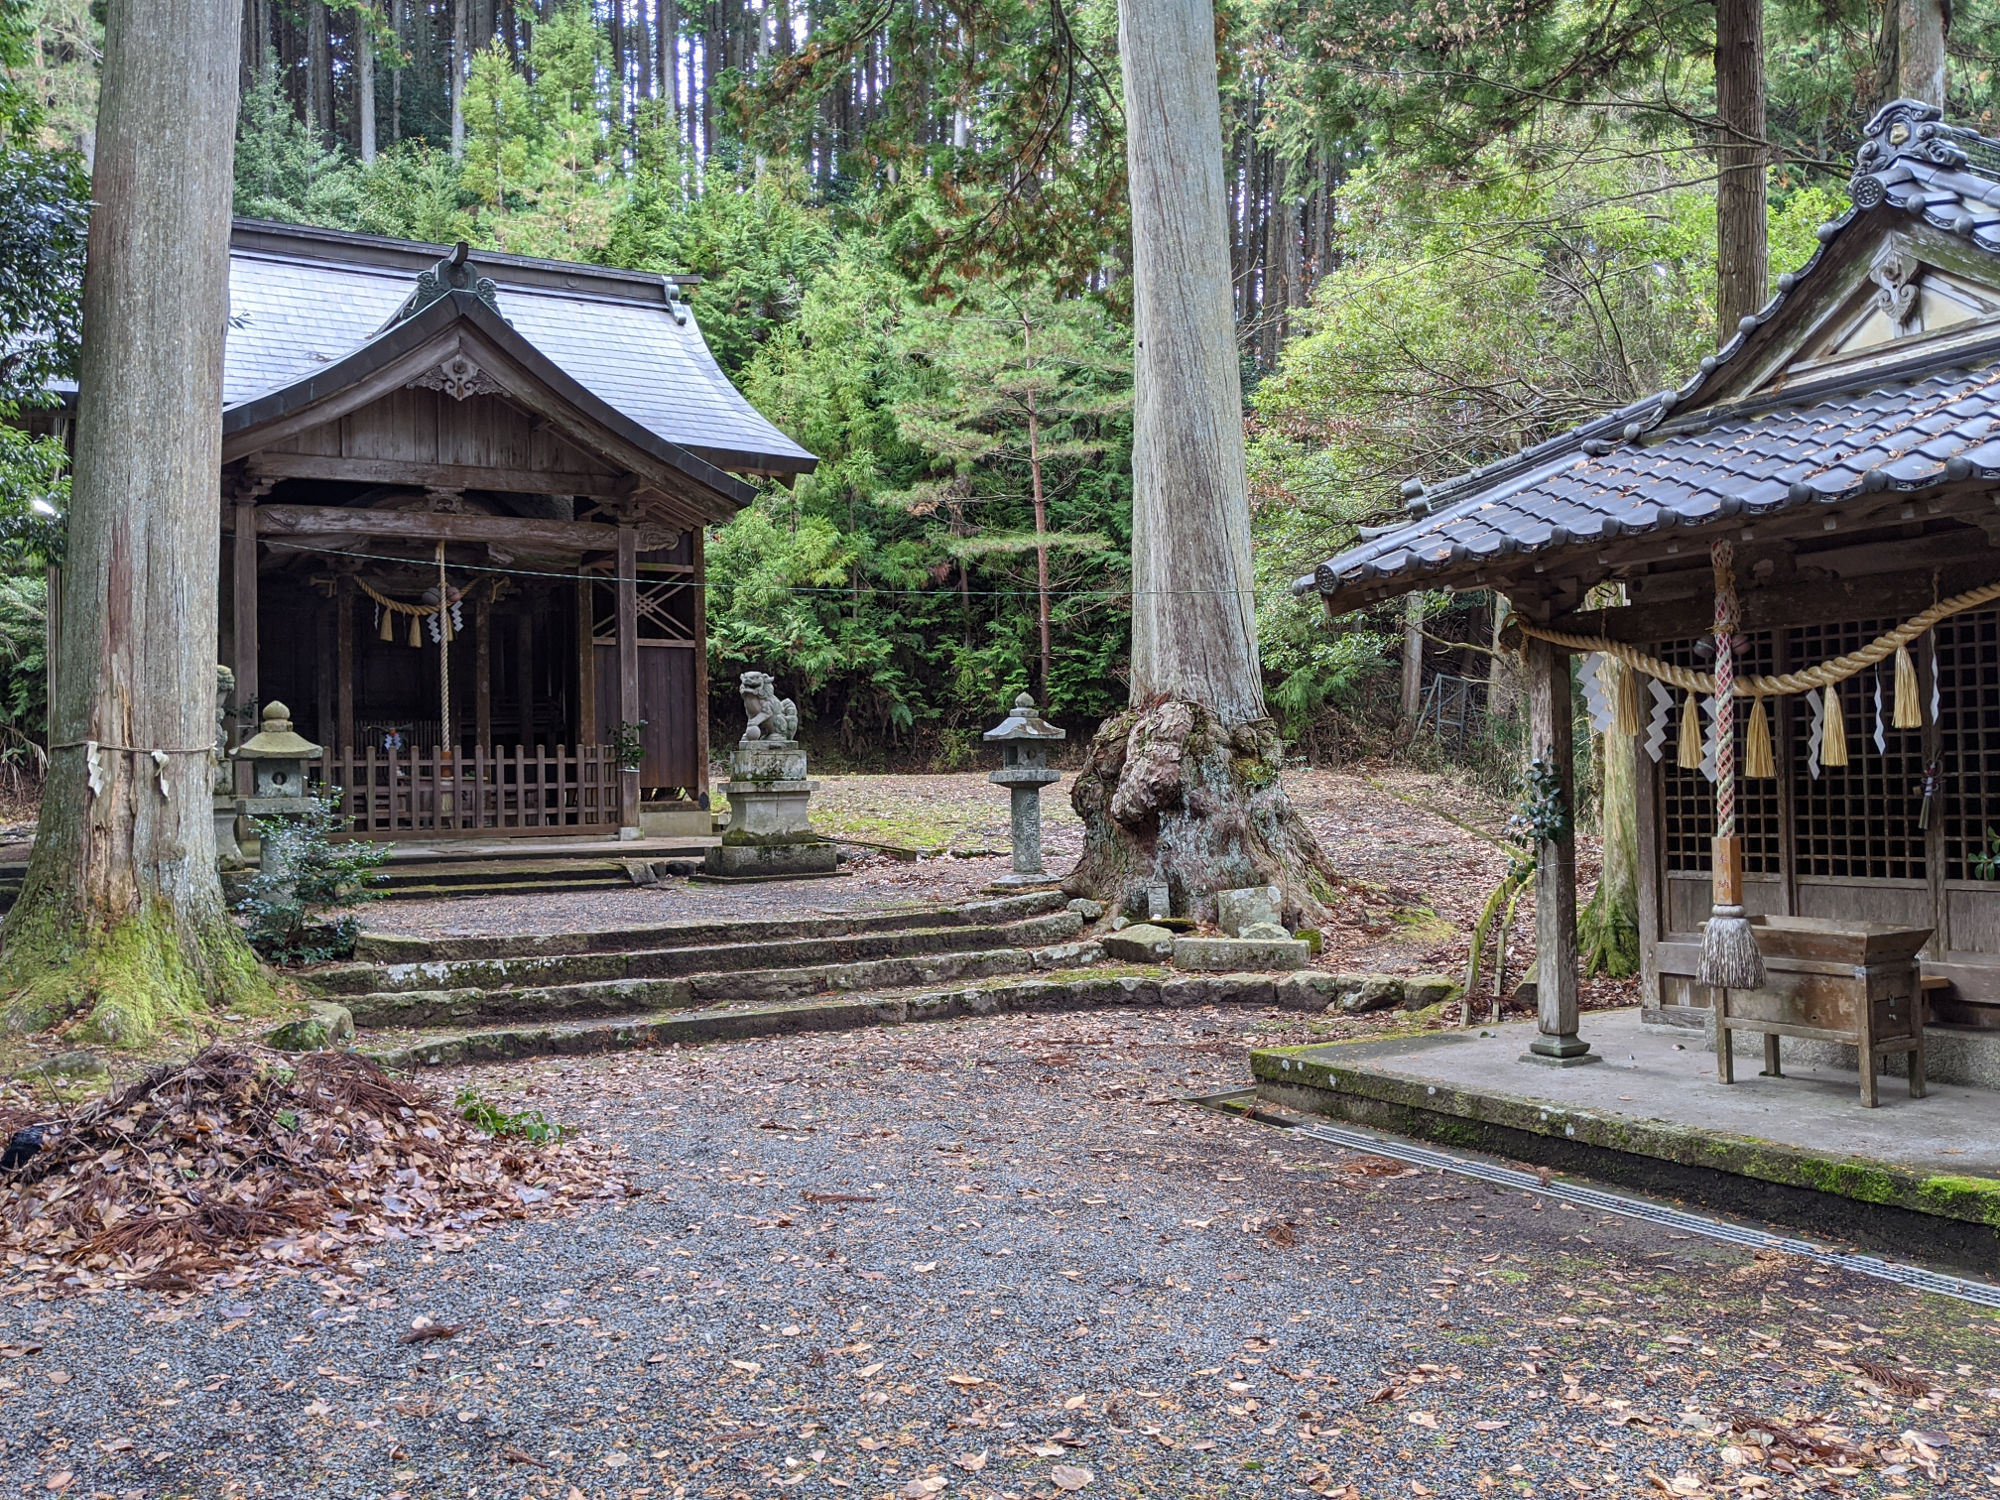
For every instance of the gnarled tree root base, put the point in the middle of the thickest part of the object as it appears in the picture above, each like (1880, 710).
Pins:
(1169, 796)
(122, 984)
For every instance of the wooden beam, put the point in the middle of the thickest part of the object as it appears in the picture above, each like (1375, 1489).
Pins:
(482, 672)
(1549, 739)
(1897, 595)
(628, 659)
(399, 471)
(344, 656)
(243, 561)
(524, 669)
(586, 664)
(434, 526)
(699, 551)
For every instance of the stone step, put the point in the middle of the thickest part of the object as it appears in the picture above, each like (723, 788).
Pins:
(433, 1009)
(725, 1023)
(388, 948)
(501, 872)
(729, 957)
(503, 888)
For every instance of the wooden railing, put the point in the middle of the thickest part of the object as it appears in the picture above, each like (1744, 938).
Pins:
(479, 793)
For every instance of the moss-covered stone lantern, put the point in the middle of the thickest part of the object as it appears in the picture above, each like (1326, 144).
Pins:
(1024, 738)
(278, 756)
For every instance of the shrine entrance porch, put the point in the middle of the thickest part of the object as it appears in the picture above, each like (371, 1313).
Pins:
(1913, 1177)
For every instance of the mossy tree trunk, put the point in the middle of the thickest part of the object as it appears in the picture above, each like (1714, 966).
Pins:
(1183, 790)
(1608, 931)
(121, 920)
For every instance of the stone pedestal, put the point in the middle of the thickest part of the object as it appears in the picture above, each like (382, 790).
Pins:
(770, 835)
(1024, 784)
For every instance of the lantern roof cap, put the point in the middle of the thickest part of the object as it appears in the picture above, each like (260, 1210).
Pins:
(275, 739)
(1025, 722)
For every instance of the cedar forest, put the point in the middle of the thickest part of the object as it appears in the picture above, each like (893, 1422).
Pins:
(1453, 233)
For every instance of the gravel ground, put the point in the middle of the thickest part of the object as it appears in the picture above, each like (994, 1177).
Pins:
(980, 1259)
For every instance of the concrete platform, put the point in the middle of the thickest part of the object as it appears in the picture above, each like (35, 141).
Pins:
(1653, 1115)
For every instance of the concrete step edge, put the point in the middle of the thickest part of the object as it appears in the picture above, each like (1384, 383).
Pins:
(391, 948)
(747, 1022)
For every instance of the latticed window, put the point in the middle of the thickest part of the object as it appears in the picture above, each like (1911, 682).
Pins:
(1968, 668)
(1687, 797)
(1857, 821)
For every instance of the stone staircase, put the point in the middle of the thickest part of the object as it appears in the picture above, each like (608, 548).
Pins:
(420, 1000)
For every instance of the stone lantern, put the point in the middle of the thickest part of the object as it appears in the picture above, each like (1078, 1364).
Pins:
(1024, 737)
(278, 757)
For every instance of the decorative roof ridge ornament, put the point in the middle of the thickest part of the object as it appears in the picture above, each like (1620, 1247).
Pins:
(454, 273)
(1909, 130)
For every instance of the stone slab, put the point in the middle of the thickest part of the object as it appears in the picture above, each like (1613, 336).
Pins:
(1141, 943)
(765, 861)
(1235, 955)
(1658, 1098)
(1247, 906)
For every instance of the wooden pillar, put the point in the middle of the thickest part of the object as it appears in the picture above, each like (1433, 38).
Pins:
(1413, 657)
(243, 560)
(586, 664)
(628, 661)
(699, 556)
(524, 671)
(343, 650)
(1549, 740)
(482, 673)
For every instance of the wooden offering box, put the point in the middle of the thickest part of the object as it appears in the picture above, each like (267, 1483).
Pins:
(1856, 983)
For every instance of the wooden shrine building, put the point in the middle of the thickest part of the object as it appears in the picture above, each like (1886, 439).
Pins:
(550, 439)
(1845, 444)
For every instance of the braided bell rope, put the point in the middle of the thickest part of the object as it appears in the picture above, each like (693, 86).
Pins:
(1722, 557)
(1825, 675)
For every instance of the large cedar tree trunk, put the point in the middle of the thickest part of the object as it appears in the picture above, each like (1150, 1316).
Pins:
(1918, 36)
(121, 920)
(1742, 268)
(1183, 788)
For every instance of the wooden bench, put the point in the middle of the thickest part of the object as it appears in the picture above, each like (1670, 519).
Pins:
(1856, 983)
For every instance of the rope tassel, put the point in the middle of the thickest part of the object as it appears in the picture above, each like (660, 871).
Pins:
(388, 628)
(1688, 751)
(1908, 712)
(1628, 708)
(417, 631)
(1832, 731)
(1758, 761)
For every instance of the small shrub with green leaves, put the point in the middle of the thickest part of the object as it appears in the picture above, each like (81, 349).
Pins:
(530, 1125)
(297, 909)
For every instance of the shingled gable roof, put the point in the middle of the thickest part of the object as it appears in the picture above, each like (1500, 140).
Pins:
(303, 299)
(1809, 405)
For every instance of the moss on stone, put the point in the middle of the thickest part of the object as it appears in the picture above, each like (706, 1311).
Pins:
(1964, 1197)
(1862, 1181)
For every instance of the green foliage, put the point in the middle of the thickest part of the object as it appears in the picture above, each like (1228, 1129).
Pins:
(290, 908)
(628, 744)
(529, 1125)
(1985, 861)
(1543, 815)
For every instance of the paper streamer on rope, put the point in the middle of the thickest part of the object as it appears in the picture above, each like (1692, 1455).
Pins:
(1814, 732)
(1662, 716)
(1596, 696)
(1881, 727)
(1937, 699)
(1711, 742)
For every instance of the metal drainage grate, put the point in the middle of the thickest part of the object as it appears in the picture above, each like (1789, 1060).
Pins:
(1980, 1293)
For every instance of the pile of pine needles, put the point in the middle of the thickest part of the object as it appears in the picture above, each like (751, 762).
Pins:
(243, 1155)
